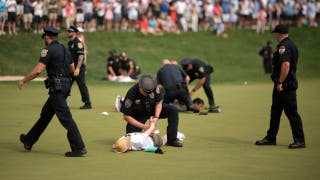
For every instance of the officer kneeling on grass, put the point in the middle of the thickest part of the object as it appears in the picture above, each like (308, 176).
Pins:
(143, 102)
(59, 66)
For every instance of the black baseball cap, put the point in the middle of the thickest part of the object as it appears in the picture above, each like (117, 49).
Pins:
(49, 31)
(281, 29)
(185, 63)
(147, 83)
(73, 29)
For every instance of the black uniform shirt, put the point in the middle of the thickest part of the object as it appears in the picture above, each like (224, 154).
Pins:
(286, 51)
(266, 52)
(56, 59)
(135, 104)
(76, 49)
(114, 63)
(198, 70)
(126, 65)
(171, 75)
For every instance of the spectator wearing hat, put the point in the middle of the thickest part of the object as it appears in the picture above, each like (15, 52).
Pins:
(59, 66)
(143, 102)
(128, 66)
(284, 96)
(77, 51)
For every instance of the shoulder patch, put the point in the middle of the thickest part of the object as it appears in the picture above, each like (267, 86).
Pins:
(44, 53)
(128, 103)
(201, 69)
(151, 95)
(282, 49)
(80, 46)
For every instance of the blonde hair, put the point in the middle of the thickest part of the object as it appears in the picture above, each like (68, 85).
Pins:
(122, 144)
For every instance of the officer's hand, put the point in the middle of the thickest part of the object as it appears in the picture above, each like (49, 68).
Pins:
(191, 93)
(279, 87)
(76, 72)
(20, 84)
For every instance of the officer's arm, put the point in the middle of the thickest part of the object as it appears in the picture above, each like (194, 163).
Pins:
(187, 79)
(80, 61)
(111, 71)
(36, 71)
(198, 85)
(285, 66)
(71, 66)
(157, 112)
(134, 122)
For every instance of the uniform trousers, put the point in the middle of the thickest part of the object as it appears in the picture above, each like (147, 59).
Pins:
(180, 93)
(285, 101)
(168, 111)
(81, 81)
(57, 104)
(208, 90)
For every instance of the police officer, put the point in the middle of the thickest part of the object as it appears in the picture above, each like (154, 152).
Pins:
(143, 101)
(173, 81)
(76, 49)
(196, 69)
(284, 92)
(267, 55)
(113, 66)
(128, 66)
(54, 58)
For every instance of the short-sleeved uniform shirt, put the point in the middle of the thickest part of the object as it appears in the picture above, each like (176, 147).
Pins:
(56, 59)
(198, 70)
(128, 64)
(114, 63)
(135, 104)
(171, 75)
(286, 51)
(76, 49)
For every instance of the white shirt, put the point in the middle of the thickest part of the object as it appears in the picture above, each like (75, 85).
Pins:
(140, 141)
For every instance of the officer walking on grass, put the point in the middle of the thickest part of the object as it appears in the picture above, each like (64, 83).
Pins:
(76, 49)
(143, 102)
(55, 59)
(284, 97)
(196, 69)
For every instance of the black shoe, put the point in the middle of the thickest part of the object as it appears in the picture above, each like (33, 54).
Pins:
(214, 109)
(25, 145)
(297, 145)
(78, 153)
(174, 143)
(192, 108)
(86, 106)
(265, 141)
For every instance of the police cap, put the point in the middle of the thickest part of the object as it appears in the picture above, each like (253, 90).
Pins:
(281, 29)
(49, 31)
(73, 29)
(147, 83)
(185, 63)
(113, 52)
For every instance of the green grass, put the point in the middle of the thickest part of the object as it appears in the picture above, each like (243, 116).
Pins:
(235, 59)
(217, 146)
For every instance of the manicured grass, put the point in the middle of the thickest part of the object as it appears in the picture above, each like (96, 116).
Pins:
(235, 59)
(217, 146)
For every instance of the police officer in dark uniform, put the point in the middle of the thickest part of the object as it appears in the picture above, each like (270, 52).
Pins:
(113, 65)
(128, 66)
(196, 69)
(173, 81)
(267, 55)
(76, 49)
(59, 65)
(284, 92)
(143, 102)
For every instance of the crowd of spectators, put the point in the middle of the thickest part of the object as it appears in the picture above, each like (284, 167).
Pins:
(156, 16)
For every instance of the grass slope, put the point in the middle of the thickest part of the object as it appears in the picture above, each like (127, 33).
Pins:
(235, 59)
(217, 146)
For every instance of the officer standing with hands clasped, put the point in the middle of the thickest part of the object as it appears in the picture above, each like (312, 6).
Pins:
(59, 66)
(284, 96)
(196, 69)
(143, 102)
(76, 49)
